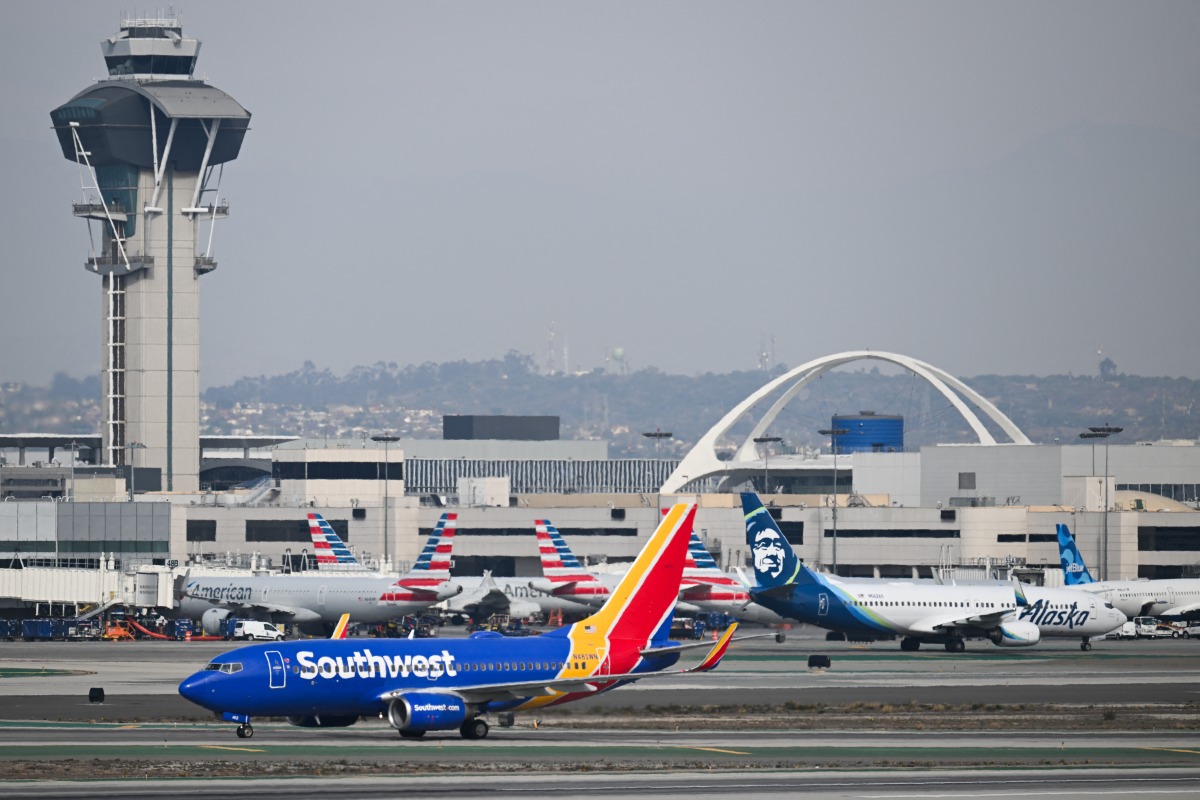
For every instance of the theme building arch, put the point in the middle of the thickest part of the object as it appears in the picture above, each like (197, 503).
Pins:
(702, 462)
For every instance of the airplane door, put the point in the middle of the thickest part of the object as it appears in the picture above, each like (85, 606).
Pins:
(822, 604)
(321, 596)
(275, 669)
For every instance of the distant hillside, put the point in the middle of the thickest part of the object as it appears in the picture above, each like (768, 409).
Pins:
(410, 401)
(620, 408)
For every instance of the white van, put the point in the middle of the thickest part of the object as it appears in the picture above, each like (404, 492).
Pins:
(247, 629)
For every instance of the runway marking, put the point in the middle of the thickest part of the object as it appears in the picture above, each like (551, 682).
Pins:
(226, 747)
(1173, 750)
(716, 750)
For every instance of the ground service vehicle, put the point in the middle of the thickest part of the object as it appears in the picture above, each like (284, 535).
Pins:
(247, 629)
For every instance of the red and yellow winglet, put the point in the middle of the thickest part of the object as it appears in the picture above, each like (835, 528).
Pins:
(716, 653)
(339, 630)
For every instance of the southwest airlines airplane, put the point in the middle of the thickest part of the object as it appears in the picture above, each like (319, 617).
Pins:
(422, 685)
(1168, 597)
(315, 603)
(1010, 615)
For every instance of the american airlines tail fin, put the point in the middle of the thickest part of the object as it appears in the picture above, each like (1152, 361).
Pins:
(1075, 572)
(432, 571)
(563, 574)
(641, 607)
(775, 563)
(331, 552)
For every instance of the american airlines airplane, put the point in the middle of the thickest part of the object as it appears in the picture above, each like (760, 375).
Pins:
(316, 603)
(1010, 615)
(1166, 597)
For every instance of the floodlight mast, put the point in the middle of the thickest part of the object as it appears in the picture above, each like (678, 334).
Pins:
(833, 433)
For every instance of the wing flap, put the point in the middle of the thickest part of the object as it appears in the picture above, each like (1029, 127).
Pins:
(937, 624)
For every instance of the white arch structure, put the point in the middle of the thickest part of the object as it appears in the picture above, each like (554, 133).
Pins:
(701, 461)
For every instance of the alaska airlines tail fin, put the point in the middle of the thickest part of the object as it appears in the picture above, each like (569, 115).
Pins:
(775, 563)
(563, 574)
(1075, 572)
(432, 570)
(330, 550)
(641, 607)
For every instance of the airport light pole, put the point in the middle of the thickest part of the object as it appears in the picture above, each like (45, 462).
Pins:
(833, 433)
(768, 441)
(74, 448)
(387, 469)
(133, 447)
(1102, 432)
(657, 435)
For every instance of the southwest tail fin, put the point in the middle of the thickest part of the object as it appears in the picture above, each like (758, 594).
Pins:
(563, 575)
(775, 563)
(1075, 572)
(331, 552)
(641, 607)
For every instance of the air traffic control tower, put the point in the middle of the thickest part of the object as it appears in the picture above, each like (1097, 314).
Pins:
(151, 142)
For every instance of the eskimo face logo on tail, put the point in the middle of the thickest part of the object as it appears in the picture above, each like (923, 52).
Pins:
(1041, 614)
(774, 561)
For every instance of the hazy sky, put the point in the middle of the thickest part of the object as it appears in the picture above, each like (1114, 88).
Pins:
(989, 187)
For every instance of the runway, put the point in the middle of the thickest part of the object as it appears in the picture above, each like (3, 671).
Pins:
(140, 679)
(1129, 705)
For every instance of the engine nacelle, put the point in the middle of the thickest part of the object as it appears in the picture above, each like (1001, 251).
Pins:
(212, 620)
(323, 721)
(426, 711)
(1016, 634)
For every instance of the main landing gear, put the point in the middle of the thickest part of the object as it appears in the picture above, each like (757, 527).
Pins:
(955, 645)
(1086, 644)
(910, 645)
(475, 728)
(245, 731)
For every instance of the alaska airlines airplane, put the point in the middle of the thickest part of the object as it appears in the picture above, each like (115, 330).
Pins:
(422, 685)
(1167, 597)
(1010, 615)
(316, 603)
(331, 552)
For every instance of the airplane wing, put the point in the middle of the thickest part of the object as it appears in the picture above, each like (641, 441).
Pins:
(518, 690)
(293, 613)
(1181, 611)
(938, 623)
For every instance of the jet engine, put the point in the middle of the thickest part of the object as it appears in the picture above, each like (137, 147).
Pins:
(1015, 634)
(323, 721)
(426, 711)
(212, 620)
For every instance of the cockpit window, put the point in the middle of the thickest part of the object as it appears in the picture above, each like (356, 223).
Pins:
(228, 668)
